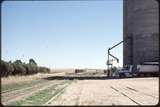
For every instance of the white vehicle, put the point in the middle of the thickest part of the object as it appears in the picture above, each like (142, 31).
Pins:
(148, 70)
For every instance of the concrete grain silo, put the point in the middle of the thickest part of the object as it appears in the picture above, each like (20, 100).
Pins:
(140, 31)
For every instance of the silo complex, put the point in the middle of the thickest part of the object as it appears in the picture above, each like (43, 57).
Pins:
(140, 31)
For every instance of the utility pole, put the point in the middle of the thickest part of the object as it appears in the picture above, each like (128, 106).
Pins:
(108, 59)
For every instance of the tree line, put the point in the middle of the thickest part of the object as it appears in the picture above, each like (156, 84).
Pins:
(20, 68)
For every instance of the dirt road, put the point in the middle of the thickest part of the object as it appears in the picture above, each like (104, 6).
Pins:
(132, 91)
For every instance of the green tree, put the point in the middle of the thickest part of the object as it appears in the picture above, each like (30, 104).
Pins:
(11, 68)
(19, 68)
(32, 62)
(4, 68)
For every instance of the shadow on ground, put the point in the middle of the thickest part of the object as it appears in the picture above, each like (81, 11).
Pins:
(85, 78)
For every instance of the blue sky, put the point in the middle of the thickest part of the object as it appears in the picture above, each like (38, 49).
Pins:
(62, 34)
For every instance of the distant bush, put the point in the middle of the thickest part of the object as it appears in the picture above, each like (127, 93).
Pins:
(44, 70)
(114, 69)
(79, 70)
(20, 68)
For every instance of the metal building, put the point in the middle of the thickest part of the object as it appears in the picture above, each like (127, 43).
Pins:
(140, 31)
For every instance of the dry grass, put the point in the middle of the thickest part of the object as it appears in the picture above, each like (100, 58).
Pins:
(18, 79)
(62, 70)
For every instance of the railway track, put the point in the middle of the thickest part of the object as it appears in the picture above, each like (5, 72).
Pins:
(15, 95)
(135, 95)
(125, 95)
(142, 93)
(60, 91)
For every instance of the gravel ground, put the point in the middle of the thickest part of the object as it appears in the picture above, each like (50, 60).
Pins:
(131, 91)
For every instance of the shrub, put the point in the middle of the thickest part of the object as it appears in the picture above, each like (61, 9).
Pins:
(44, 70)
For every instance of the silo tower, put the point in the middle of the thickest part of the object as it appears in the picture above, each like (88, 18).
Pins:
(140, 31)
